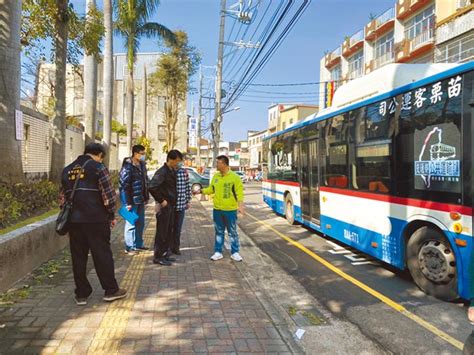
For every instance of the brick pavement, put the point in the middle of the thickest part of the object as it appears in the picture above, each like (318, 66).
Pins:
(194, 306)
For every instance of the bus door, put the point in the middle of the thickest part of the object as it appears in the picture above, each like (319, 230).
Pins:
(304, 173)
(309, 173)
(314, 180)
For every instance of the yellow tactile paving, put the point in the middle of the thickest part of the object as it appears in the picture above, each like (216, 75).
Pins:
(111, 330)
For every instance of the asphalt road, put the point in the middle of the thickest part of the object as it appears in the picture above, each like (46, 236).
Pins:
(420, 330)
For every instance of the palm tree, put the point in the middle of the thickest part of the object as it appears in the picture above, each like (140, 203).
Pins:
(132, 25)
(90, 87)
(10, 159)
(108, 76)
(59, 121)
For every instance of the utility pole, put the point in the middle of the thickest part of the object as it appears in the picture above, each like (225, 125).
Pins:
(198, 162)
(218, 113)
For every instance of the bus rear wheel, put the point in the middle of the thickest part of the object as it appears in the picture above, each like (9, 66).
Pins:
(432, 263)
(289, 210)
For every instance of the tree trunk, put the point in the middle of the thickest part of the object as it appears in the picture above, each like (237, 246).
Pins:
(108, 78)
(90, 88)
(130, 107)
(10, 158)
(59, 121)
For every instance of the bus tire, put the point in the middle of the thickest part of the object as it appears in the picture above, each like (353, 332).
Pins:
(289, 209)
(432, 263)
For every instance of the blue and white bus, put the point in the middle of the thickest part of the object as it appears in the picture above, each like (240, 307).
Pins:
(388, 170)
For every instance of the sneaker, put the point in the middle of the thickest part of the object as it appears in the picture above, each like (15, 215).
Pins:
(121, 293)
(80, 301)
(143, 248)
(470, 314)
(217, 256)
(132, 252)
(236, 257)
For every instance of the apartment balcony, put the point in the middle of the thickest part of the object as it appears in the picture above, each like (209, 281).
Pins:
(406, 8)
(409, 49)
(333, 58)
(353, 44)
(380, 25)
(386, 58)
(354, 74)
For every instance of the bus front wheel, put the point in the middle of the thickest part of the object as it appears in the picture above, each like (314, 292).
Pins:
(432, 263)
(289, 210)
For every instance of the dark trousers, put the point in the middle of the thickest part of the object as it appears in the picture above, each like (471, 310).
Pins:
(96, 238)
(164, 231)
(177, 226)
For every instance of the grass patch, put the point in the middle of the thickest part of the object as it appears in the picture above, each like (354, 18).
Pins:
(313, 319)
(29, 221)
(292, 310)
(14, 295)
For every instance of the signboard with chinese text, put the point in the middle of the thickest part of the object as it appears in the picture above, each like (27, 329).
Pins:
(18, 125)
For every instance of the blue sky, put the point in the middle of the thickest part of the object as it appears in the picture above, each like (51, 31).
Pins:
(322, 27)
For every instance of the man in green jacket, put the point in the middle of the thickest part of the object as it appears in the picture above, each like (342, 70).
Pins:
(228, 192)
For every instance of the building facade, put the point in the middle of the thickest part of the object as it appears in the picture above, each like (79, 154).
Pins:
(412, 31)
(254, 140)
(295, 113)
(148, 109)
(274, 116)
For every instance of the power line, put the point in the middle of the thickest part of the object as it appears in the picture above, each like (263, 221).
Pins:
(289, 84)
(248, 76)
(284, 93)
(262, 49)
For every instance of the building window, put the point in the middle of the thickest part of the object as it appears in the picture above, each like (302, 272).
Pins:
(283, 126)
(456, 51)
(71, 143)
(336, 75)
(161, 132)
(420, 28)
(356, 65)
(291, 120)
(384, 50)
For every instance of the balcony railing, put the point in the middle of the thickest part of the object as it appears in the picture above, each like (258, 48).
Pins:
(332, 58)
(357, 73)
(356, 37)
(386, 58)
(335, 53)
(422, 38)
(385, 17)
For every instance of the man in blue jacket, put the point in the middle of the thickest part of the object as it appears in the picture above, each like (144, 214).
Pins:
(134, 195)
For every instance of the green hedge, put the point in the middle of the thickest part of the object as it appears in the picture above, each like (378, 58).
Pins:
(21, 201)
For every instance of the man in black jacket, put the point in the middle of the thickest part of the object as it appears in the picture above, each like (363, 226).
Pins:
(163, 189)
(93, 215)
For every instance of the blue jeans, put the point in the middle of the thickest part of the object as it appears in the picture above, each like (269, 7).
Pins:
(134, 233)
(223, 220)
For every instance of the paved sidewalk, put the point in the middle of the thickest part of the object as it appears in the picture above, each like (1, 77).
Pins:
(194, 306)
